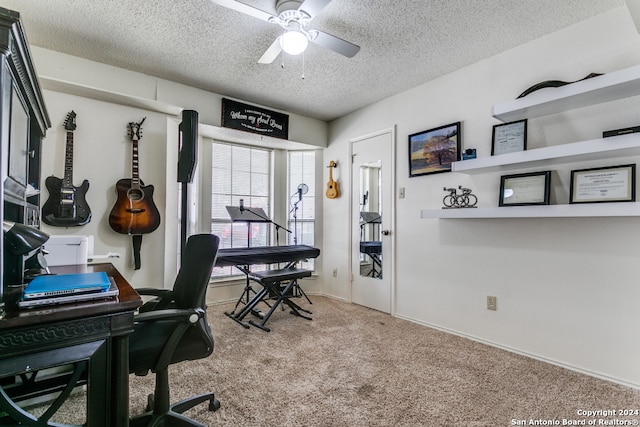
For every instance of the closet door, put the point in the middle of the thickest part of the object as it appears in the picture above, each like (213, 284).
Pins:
(372, 220)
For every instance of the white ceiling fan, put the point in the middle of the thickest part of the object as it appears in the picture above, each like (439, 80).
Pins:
(294, 16)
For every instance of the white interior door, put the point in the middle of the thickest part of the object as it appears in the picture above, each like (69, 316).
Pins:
(372, 220)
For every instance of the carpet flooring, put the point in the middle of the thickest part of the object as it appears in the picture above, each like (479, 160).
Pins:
(352, 366)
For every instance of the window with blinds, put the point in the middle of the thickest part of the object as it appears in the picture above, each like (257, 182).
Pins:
(302, 207)
(239, 172)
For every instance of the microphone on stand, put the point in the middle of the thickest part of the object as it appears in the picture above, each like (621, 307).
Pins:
(241, 205)
(302, 189)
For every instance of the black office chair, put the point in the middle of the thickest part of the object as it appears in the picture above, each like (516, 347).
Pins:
(173, 328)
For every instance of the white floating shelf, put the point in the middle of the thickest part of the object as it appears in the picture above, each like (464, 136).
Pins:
(547, 211)
(607, 87)
(601, 148)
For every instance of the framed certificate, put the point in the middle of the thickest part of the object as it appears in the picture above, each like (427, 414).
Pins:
(509, 137)
(525, 189)
(607, 184)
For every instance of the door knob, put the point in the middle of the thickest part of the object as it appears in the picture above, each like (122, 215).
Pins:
(385, 232)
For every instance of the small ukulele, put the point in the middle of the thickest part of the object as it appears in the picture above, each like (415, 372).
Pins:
(333, 190)
(67, 205)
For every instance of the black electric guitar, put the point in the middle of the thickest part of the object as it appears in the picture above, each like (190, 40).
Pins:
(134, 212)
(67, 205)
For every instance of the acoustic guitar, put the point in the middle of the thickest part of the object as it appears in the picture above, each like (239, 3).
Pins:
(67, 205)
(134, 212)
(333, 190)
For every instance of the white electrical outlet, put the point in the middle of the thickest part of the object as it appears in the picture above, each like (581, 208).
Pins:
(335, 272)
(492, 303)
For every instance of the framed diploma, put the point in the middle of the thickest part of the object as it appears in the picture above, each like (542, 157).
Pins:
(608, 184)
(509, 137)
(525, 189)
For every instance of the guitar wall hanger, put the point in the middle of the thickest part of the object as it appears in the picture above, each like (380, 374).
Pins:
(333, 190)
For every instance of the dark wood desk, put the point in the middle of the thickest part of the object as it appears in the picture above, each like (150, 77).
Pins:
(91, 336)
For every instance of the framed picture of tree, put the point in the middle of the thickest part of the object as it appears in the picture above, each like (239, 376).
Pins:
(433, 150)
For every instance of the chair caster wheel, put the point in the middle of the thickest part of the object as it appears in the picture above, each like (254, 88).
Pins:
(214, 405)
(150, 402)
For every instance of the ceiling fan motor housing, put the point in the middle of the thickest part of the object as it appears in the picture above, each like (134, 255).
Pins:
(288, 12)
(287, 5)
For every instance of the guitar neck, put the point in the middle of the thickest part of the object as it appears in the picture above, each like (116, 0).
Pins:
(67, 181)
(135, 176)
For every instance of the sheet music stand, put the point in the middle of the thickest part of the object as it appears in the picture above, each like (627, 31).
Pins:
(251, 215)
(370, 218)
(248, 215)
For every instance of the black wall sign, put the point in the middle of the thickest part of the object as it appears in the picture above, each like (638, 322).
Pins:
(253, 119)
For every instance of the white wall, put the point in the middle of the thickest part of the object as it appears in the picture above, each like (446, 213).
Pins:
(566, 288)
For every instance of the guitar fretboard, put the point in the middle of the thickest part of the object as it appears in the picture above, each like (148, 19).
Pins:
(67, 181)
(135, 177)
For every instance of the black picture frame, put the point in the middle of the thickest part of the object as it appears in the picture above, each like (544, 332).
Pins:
(525, 189)
(434, 150)
(509, 137)
(606, 184)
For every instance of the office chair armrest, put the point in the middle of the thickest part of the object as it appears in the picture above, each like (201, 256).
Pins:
(155, 292)
(189, 315)
(159, 299)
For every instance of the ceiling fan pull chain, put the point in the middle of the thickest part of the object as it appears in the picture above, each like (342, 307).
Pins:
(302, 65)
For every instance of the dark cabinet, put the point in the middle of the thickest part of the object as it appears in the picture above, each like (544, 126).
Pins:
(23, 123)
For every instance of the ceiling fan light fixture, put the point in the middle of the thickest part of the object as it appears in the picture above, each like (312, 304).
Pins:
(293, 42)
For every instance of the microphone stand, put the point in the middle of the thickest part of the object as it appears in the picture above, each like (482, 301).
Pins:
(296, 289)
(266, 219)
(295, 217)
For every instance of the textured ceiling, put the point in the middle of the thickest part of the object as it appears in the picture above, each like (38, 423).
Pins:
(199, 43)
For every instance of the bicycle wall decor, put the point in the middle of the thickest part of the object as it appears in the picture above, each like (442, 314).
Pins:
(454, 200)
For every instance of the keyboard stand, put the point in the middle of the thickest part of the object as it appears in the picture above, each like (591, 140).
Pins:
(271, 281)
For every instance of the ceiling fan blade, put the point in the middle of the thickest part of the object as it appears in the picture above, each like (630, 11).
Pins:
(272, 53)
(244, 8)
(336, 44)
(313, 7)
